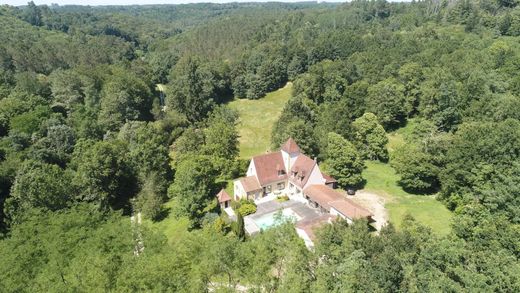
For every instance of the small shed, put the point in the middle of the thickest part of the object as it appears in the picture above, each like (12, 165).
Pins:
(224, 200)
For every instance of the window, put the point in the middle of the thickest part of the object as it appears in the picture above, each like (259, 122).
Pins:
(267, 189)
(281, 185)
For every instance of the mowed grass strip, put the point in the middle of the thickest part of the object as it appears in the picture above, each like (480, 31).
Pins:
(257, 118)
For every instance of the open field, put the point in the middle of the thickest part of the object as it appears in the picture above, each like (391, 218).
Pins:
(382, 180)
(257, 118)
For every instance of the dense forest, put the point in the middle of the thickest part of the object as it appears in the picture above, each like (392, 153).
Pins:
(105, 111)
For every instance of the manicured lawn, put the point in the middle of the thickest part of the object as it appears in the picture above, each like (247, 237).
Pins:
(257, 118)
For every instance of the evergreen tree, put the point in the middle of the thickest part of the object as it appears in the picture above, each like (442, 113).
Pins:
(239, 227)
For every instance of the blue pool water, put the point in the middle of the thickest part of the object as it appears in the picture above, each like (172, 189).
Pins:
(269, 220)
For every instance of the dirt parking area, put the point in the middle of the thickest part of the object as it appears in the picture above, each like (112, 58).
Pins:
(373, 203)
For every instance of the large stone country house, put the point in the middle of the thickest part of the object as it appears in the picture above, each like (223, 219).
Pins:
(290, 172)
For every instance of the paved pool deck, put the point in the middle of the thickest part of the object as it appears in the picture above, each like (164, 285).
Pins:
(305, 212)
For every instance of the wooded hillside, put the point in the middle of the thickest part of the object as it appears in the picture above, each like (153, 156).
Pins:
(87, 140)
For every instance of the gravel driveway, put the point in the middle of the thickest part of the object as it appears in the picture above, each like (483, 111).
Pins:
(373, 203)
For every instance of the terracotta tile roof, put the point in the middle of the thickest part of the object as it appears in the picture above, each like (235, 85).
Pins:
(327, 197)
(250, 183)
(223, 196)
(322, 194)
(350, 209)
(290, 146)
(328, 178)
(310, 226)
(267, 167)
(303, 167)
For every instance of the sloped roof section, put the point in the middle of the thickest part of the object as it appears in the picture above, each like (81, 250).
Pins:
(310, 226)
(350, 209)
(290, 146)
(301, 170)
(322, 194)
(327, 197)
(223, 196)
(250, 183)
(270, 168)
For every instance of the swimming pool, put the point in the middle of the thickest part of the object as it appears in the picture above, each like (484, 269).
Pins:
(270, 220)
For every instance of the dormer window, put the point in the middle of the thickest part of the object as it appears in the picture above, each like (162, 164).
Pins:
(280, 170)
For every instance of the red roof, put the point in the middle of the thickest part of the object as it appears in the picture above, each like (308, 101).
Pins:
(327, 197)
(350, 209)
(290, 146)
(268, 166)
(322, 194)
(250, 183)
(309, 226)
(223, 196)
(303, 167)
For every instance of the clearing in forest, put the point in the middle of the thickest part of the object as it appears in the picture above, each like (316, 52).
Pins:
(382, 179)
(257, 118)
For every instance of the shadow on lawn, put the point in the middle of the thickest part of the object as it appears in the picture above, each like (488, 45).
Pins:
(165, 212)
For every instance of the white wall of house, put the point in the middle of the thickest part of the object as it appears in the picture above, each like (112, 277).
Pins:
(251, 170)
(335, 212)
(238, 190)
(315, 177)
(289, 159)
(275, 188)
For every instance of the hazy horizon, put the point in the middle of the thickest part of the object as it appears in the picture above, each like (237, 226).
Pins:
(138, 2)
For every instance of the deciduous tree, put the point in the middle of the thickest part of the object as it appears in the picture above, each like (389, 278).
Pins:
(370, 137)
(343, 161)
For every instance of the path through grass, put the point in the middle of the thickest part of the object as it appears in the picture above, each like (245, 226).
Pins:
(257, 118)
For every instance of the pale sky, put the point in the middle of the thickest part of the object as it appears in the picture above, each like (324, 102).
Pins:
(129, 2)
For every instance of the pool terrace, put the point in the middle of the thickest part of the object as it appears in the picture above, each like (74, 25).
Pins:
(296, 211)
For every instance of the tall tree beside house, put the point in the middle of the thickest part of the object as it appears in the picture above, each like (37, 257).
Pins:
(417, 169)
(370, 137)
(194, 187)
(344, 161)
(238, 226)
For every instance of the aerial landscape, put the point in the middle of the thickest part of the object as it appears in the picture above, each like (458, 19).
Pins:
(360, 146)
